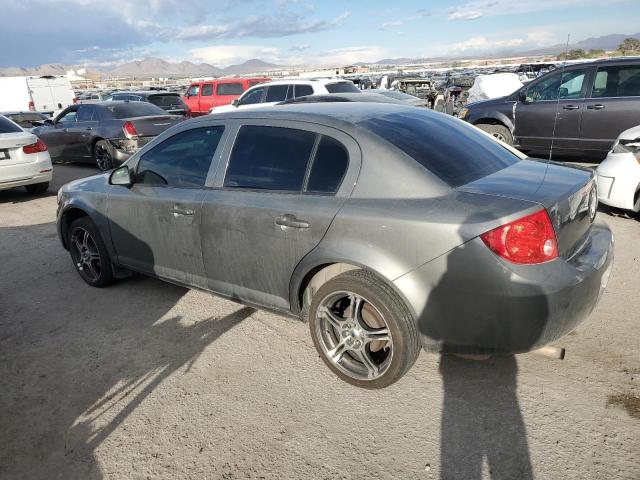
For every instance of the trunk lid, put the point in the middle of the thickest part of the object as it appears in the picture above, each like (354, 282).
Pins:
(152, 126)
(11, 148)
(568, 194)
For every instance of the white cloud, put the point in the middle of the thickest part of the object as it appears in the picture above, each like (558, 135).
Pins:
(225, 55)
(395, 23)
(464, 15)
(483, 44)
(474, 9)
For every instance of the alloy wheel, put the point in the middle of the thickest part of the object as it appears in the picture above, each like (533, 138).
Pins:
(103, 158)
(85, 254)
(354, 335)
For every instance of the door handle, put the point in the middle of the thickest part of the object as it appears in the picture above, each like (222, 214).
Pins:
(181, 212)
(89, 128)
(597, 106)
(288, 220)
(571, 107)
(65, 130)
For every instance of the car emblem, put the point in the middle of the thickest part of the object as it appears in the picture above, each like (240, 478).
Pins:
(593, 203)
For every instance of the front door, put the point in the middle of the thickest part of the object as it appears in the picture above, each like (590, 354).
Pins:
(613, 107)
(57, 137)
(552, 112)
(155, 224)
(282, 188)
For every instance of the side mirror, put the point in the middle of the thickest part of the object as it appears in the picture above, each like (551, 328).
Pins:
(187, 95)
(48, 121)
(522, 96)
(235, 102)
(121, 176)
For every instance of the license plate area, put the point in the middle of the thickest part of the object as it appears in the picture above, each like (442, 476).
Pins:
(4, 154)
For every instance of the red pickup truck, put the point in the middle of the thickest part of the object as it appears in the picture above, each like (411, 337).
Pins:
(202, 96)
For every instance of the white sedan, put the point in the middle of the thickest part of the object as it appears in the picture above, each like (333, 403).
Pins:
(619, 173)
(24, 159)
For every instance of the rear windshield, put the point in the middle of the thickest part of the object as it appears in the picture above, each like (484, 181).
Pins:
(137, 109)
(7, 126)
(455, 152)
(166, 100)
(25, 120)
(342, 87)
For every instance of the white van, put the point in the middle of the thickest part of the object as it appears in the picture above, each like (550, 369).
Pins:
(40, 94)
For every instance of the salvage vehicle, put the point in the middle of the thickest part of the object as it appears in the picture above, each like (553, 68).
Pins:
(104, 133)
(170, 102)
(416, 86)
(272, 93)
(38, 94)
(577, 110)
(204, 95)
(24, 160)
(405, 98)
(619, 173)
(26, 120)
(388, 228)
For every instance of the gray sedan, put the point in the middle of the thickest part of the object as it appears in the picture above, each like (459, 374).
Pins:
(388, 228)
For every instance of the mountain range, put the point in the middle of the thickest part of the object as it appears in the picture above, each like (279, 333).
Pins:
(155, 67)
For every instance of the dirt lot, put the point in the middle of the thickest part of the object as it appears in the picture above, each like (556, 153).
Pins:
(148, 380)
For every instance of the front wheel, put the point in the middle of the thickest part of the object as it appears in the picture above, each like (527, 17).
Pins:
(362, 330)
(500, 132)
(102, 156)
(89, 253)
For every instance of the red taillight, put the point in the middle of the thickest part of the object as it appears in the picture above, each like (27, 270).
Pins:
(32, 106)
(129, 130)
(75, 101)
(39, 146)
(528, 240)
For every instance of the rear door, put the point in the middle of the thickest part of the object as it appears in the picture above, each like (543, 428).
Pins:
(613, 106)
(282, 186)
(553, 110)
(205, 101)
(155, 224)
(80, 133)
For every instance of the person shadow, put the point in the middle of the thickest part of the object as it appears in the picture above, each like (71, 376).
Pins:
(481, 417)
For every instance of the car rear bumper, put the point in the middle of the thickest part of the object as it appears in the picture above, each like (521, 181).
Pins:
(470, 301)
(618, 181)
(22, 174)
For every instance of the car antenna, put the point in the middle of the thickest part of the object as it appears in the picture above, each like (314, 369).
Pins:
(555, 119)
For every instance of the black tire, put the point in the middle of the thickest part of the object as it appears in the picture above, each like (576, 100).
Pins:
(37, 188)
(500, 132)
(404, 344)
(93, 264)
(102, 156)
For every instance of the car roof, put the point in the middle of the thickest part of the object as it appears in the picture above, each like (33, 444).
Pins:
(306, 81)
(145, 92)
(343, 97)
(606, 61)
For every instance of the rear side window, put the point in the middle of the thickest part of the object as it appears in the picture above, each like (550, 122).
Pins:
(342, 87)
(129, 110)
(269, 158)
(229, 89)
(7, 126)
(277, 93)
(329, 166)
(302, 90)
(182, 160)
(207, 90)
(621, 81)
(453, 151)
(85, 113)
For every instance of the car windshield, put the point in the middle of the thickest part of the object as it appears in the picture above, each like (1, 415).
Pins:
(166, 100)
(342, 87)
(137, 109)
(7, 126)
(452, 150)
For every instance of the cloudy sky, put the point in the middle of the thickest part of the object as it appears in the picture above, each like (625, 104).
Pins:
(222, 32)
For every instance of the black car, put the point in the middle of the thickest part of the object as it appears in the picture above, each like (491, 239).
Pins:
(104, 133)
(582, 107)
(171, 102)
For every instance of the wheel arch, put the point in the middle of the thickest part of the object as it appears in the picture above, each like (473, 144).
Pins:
(495, 119)
(71, 214)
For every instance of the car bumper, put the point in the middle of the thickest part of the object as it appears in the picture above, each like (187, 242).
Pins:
(23, 174)
(618, 181)
(470, 301)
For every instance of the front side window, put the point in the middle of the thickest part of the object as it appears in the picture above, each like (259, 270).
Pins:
(252, 96)
(193, 91)
(270, 158)
(182, 160)
(207, 90)
(68, 117)
(277, 93)
(552, 87)
(329, 166)
(229, 89)
(619, 81)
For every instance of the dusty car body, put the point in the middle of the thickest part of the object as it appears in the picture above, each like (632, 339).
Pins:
(376, 237)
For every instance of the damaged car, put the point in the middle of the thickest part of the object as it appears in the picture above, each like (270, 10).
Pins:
(619, 173)
(105, 134)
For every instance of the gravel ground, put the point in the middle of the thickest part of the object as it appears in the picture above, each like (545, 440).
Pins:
(149, 380)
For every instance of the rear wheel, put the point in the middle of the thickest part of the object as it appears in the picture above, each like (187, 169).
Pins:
(88, 253)
(500, 132)
(363, 331)
(101, 155)
(37, 188)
